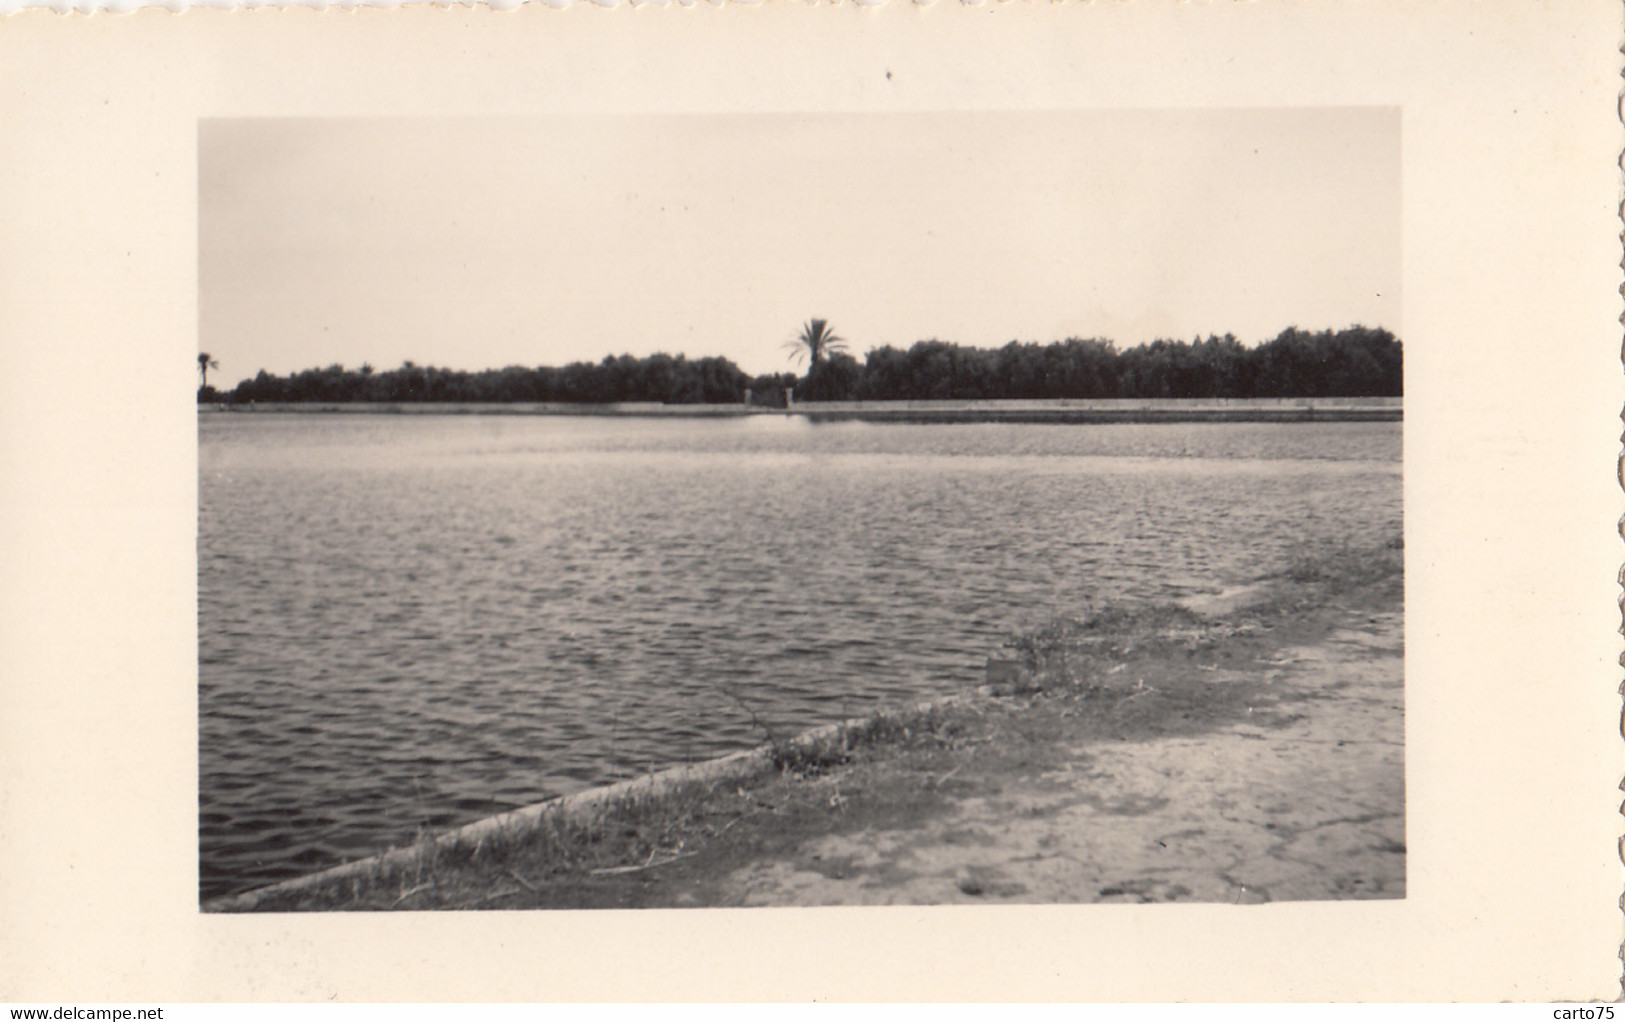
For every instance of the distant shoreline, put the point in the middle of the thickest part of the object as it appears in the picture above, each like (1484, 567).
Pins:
(1058, 410)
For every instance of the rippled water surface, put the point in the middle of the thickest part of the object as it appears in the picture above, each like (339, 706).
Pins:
(410, 621)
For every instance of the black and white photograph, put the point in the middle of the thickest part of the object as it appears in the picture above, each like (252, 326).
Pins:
(1014, 517)
(810, 502)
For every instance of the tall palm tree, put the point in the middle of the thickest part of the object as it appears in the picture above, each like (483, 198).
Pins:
(817, 342)
(204, 364)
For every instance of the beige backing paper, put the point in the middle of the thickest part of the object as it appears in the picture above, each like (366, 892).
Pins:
(1513, 395)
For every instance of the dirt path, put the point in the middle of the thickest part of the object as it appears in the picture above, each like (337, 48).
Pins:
(1300, 797)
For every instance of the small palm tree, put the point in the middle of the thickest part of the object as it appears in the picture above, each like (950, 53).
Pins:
(204, 364)
(817, 342)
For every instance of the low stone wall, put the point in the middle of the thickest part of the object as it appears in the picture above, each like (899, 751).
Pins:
(1067, 410)
(1060, 410)
(486, 408)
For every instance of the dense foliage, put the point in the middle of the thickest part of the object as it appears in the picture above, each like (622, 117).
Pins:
(1356, 362)
(666, 379)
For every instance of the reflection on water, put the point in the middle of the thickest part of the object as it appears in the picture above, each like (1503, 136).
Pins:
(414, 621)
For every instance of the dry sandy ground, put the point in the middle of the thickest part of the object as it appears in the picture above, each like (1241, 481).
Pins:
(1304, 801)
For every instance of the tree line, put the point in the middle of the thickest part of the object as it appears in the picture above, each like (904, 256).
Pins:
(1355, 362)
(667, 379)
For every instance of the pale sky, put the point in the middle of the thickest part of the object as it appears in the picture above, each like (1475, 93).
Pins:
(479, 243)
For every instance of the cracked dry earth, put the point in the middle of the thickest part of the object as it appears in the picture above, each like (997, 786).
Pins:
(1302, 800)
